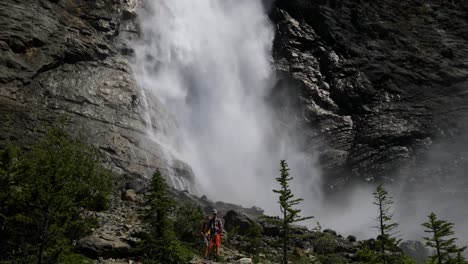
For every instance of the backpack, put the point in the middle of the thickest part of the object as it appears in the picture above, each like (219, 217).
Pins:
(214, 226)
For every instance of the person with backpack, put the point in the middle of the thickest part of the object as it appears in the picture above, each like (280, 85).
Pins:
(216, 233)
(205, 234)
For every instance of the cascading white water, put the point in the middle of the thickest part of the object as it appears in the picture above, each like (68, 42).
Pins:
(209, 62)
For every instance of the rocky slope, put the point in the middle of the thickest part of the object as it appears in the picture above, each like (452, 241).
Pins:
(114, 242)
(70, 59)
(383, 83)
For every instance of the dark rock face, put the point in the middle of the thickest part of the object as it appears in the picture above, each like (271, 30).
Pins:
(380, 82)
(223, 208)
(234, 220)
(69, 58)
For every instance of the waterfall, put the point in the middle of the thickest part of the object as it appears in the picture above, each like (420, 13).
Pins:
(209, 63)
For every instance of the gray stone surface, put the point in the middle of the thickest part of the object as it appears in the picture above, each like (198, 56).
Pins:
(117, 230)
(69, 59)
(415, 249)
(377, 85)
(103, 246)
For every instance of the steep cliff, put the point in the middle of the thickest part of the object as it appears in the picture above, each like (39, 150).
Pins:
(378, 85)
(381, 86)
(71, 58)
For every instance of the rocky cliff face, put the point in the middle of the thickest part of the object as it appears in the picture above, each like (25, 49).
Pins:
(71, 58)
(378, 87)
(382, 84)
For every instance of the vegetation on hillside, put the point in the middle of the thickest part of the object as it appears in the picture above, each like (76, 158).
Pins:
(50, 193)
(47, 198)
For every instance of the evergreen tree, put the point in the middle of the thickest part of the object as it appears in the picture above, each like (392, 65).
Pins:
(446, 251)
(9, 162)
(52, 190)
(387, 228)
(287, 203)
(458, 258)
(160, 245)
(188, 219)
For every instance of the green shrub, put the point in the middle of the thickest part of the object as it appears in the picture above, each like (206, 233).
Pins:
(74, 259)
(366, 255)
(325, 244)
(230, 235)
(301, 260)
(299, 257)
(369, 256)
(254, 239)
(332, 259)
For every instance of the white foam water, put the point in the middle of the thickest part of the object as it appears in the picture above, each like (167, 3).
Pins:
(209, 63)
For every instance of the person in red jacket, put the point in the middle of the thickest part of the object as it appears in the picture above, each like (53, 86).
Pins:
(216, 233)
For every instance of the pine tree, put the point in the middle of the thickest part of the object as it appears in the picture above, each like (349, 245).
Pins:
(52, 191)
(287, 203)
(387, 228)
(160, 244)
(459, 258)
(9, 162)
(188, 218)
(446, 251)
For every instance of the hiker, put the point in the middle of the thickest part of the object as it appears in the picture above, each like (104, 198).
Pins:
(216, 233)
(205, 234)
